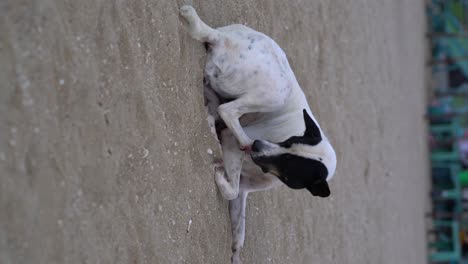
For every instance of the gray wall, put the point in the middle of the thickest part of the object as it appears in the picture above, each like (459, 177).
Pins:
(104, 140)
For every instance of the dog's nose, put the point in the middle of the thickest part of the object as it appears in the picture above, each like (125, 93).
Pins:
(256, 146)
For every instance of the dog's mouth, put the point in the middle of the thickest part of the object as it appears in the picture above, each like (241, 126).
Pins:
(270, 170)
(254, 155)
(257, 159)
(260, 154)
(260, 162)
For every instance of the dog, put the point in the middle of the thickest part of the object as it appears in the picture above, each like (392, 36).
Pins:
(271, 136)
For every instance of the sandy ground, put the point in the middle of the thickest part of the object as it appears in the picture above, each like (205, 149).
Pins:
(104, 144)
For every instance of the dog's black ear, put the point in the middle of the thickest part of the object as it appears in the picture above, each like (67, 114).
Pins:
(320, 189)
(312, 130)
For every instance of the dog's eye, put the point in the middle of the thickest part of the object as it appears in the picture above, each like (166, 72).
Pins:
(287, 144)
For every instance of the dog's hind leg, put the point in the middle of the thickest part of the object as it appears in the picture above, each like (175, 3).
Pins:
(227, 176)
(197, 28)
(248, 183)
(237, 213)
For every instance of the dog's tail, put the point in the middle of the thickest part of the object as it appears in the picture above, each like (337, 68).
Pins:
(197, 28)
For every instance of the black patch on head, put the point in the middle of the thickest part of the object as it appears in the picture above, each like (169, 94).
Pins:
(312, 135)
(298, 172)
(299, 140)
(312, 130)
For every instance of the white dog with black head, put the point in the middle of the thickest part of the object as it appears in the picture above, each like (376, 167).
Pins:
(270, 135)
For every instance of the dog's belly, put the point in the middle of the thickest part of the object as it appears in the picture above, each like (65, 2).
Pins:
(246, 60)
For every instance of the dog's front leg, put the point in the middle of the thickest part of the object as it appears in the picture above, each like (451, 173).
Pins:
(237, 213)
(227, 174)
(260, 101)
(230, 113)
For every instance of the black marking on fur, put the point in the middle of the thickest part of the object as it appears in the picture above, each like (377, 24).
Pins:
(300, 140)
(312, 130)
(298, 172)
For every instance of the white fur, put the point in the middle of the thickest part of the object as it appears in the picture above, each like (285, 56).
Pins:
(250, 68)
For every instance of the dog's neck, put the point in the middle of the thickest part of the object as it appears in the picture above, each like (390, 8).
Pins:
(280, 125)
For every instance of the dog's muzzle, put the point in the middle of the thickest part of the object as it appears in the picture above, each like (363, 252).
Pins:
(261, 152)
(262, 148)
(257, 146)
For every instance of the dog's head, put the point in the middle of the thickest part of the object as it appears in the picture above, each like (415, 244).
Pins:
(306, 161)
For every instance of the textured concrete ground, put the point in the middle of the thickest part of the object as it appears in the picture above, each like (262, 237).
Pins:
(104, 144)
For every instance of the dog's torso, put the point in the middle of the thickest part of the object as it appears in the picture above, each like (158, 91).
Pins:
(249, 60)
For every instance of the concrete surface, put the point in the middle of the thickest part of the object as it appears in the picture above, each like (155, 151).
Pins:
(104, 141)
